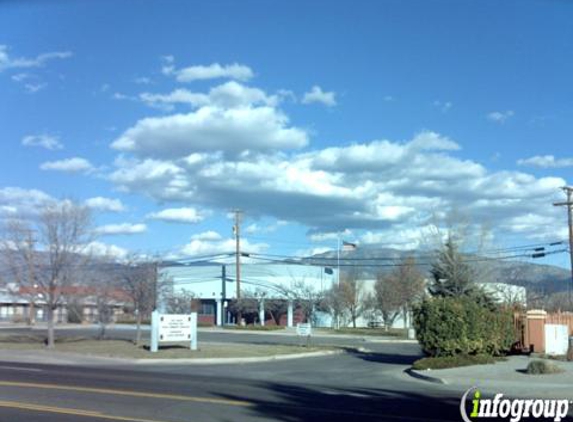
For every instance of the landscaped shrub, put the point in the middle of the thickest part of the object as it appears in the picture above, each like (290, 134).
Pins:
(453, 361)
(449, 326)
(538, 367)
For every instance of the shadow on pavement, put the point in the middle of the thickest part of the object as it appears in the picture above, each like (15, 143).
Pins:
(301, 403)
(386, 358)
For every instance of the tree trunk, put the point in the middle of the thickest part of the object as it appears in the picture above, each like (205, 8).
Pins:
(51, 334)
(138, 329)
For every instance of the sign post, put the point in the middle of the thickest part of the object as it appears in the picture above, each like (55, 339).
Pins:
(171, 328)
(304, 330)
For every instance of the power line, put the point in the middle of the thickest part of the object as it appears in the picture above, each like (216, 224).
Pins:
(569, 204)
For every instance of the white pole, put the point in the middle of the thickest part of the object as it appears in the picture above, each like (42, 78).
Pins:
(338, 260)
(338, 278)
(154, 331)
(193, 345)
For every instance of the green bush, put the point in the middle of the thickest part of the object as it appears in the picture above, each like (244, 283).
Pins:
(449, 326)
(538, 367)
(452, 361)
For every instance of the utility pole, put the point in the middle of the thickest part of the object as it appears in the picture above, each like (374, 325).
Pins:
(569, 204)
(237, 230)
(223, 294)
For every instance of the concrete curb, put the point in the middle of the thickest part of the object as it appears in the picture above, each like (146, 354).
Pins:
(226, 361)
(419, 375)
(55, 357)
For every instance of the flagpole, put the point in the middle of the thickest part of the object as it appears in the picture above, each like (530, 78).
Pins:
(338, 260)
(338, 278)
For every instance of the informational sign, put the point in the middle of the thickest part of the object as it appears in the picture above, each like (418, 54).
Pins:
(304, 330)
(173, 328)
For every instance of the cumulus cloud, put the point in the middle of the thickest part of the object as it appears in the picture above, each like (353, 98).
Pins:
(232, 130)
(500, 116)
(49, 142)
(234, 71)
(105, 204)
(256, 228)
(546, 161)
(209, 236)
(218, 246)
(177, 215)
(317, 95)
(69, 165)
(377, 186)
(18, 202)
(9, 62)
(101, 249)
(228, 95)
(236, 148)
(121, 229)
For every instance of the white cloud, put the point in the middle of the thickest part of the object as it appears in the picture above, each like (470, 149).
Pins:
(443, 106)
(121, 229)
(228, 95)
(330, 236)
(142, 80)
(21, 77)
(256, 228)
(234, 71)
(69, 165)
(33, 88)
(45, 141)
(546, 161)
(212, 129)
(500, 116)
(177, 215)
(317, 95)
(210, 236)
(9, 62)
(105, 204)
(219, 246)
(17, 202)
(106, 250)
(236, 147)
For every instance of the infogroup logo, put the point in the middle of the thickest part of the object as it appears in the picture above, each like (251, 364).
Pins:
(512, 409)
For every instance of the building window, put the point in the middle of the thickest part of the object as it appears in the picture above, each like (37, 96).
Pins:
(207, 309)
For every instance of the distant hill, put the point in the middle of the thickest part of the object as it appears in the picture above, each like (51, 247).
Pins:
(370, 261)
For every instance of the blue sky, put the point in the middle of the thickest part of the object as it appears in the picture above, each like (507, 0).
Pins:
(379, 119)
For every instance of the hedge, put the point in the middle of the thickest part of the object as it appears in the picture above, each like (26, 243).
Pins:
(448, 326)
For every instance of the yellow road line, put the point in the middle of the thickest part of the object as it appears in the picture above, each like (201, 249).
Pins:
(126, 393)
(69, 411)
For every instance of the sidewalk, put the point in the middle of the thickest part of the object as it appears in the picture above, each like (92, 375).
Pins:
(507, 378)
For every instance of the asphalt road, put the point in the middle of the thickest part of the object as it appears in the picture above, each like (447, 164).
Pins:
(347, 387)
(335, 388)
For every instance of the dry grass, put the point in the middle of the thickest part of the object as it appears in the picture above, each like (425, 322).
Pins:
(126, 349)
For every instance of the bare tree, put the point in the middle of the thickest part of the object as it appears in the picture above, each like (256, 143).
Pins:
(45, 253)
(334, 300)
(180, 302)
(246, 307)
(307, 299)
(395, 292)
(106, 298)
(388, 298)
(352, 292)
(140, 279)
(277, 308)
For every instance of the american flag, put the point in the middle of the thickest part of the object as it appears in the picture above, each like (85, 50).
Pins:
(347, 246)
